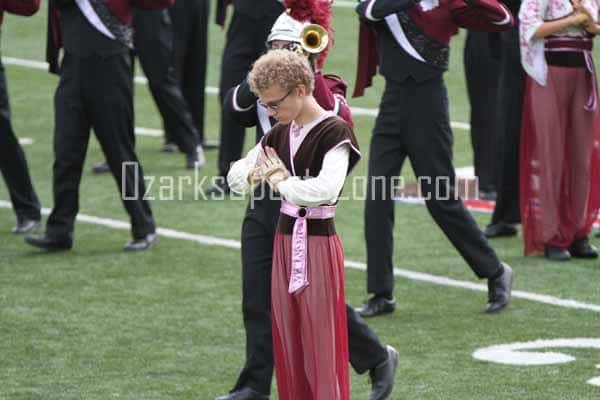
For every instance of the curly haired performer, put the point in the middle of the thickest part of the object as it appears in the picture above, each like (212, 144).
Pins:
(309, 320)
(367, 353)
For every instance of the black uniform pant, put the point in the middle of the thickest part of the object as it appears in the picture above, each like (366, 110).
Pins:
(96, 92)
(190, 18)
(13, 164)
(512, 88)
(413, 121)
(481, 73)
(246, 40)
(258, 232)
(155, 48)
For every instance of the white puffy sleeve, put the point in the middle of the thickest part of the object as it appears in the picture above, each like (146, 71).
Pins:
(531, 17)
(237, 178)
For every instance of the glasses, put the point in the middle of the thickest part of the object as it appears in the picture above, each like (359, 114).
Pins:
(275, 104)
(285, 45)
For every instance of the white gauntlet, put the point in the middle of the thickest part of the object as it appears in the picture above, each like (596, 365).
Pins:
(272, 169)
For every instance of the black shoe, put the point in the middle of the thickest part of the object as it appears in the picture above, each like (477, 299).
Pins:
(50, 243)
(377, 305)
(583, 249)
(210, 144)
(499, 290)
(25, 225)
(142, 244)
(244, 394)
(382, 376)
(100, 168)
(169, 148)
(501, 229)
(196, 159)
(218, 188)
(556, 253)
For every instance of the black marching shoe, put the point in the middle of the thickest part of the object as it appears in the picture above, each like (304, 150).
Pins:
(382, 376)
(244, 394)
(377, 305)
(501, 229)
(499, 290)
(196, 159)
(25, 225)
(556, 253)
(141, 244)
(100, 167)
(49, 242)
(583, 249)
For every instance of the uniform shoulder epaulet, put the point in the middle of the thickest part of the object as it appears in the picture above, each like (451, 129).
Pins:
(334, 77)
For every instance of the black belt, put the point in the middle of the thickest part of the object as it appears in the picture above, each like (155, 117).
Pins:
(315, 227)
(571, 59)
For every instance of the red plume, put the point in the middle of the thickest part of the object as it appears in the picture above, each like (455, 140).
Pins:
(316, 12)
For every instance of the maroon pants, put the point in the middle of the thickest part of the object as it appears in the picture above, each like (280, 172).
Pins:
(559, 160)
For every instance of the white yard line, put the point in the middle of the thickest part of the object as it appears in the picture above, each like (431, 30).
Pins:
(411, 275)
(148, 132)
(345, 4)
(356, 111)
(20, 62)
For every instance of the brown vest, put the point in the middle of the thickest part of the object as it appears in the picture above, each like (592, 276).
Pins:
(308, 161)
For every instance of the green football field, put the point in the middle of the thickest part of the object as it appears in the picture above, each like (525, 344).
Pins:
(96, 323)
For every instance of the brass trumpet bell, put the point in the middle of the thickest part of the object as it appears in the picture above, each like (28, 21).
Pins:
(314, 38)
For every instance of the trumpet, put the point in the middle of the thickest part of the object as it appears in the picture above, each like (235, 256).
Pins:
(314, 38)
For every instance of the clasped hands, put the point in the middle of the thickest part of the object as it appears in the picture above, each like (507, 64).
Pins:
(584, 18)
(268, 168)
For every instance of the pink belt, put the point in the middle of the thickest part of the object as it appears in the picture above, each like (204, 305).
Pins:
(298, 274)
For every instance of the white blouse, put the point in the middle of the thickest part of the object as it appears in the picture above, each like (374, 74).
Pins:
(532, 15)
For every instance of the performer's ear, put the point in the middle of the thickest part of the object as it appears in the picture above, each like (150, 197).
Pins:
(302, 90)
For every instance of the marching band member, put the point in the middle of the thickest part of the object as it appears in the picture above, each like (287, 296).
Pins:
(413, 43)
(367, 353)
(13, 164)
(305, 158)
(95, 91)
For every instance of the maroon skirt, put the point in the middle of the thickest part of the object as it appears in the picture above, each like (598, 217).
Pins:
(310, 332)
